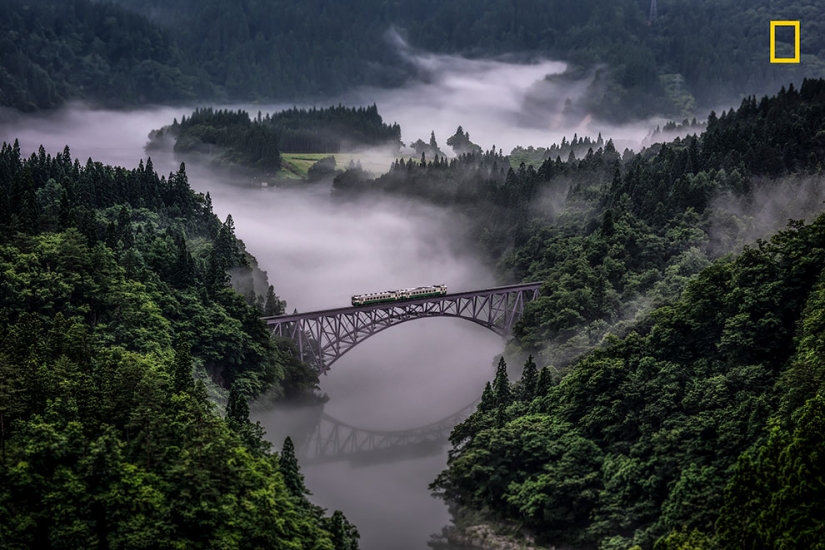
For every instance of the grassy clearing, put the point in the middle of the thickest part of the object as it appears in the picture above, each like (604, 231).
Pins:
(296, 165)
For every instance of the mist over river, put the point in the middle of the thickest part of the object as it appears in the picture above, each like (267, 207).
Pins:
(318, 253)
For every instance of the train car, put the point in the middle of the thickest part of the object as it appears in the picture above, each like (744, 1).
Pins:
(399, 295)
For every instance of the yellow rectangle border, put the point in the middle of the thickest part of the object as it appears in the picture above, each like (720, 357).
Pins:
(797, 52)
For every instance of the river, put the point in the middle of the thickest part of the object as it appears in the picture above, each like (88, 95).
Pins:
(318, 253)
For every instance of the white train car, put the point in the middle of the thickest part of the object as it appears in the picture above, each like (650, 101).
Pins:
(399, 295)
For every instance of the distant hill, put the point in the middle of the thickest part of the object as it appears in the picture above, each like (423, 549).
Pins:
(693, 56)
(52, 51)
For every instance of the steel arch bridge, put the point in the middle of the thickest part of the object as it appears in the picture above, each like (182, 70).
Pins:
(333, 440)
(322, 337)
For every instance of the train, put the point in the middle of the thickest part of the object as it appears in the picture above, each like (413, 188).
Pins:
(399, 295)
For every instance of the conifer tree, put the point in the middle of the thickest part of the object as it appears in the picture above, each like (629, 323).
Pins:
(273, 305)
(237, 408)
(182, 368)
(544, 382)
(24, 202)
(288, 466)
(88, 227)
(344, 535)
(529, 379)
(216, 276)
(501, 385)
(184, 267)
(64, 213)
(501, 416)
(111, 236)
(488, 400)
(608, 226)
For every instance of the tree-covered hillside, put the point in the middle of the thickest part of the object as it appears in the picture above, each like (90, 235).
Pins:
(697, 423)
(233, 138)
(690, 58)
(114, 291)
(615, 234)
(51, 52)
(643, 437)
(695, 54)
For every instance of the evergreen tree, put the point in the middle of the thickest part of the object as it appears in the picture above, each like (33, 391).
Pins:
(216, 275)
(343, 534)
(111, 236)
(529, 379)
(25, 198)
(488, 400)
(608, 226)
(237, 408)
(123, 229)
(64, 214)
(182, 380)
(288, 466)
(545, 381)
(273, 305)
(183, 271)
(501, 416)
(501, 385)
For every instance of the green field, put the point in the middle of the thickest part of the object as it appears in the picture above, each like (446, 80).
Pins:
(296, 165)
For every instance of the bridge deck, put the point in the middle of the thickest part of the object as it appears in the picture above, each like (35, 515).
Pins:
(355, 309)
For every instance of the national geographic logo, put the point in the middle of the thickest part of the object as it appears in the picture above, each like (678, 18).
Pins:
(795, 58)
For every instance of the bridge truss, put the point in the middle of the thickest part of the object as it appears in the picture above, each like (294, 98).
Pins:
(322, 337)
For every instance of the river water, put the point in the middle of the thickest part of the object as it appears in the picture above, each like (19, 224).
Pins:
(318, 252)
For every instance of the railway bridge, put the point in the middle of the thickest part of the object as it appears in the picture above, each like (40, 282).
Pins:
(323, 337)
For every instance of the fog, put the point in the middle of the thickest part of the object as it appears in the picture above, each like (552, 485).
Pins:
(497, 101)
(737, 222)
(318, 252)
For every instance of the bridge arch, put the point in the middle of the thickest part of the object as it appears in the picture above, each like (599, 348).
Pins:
(323, 337)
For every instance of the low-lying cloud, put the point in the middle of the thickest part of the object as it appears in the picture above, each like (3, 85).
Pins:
(498, 101)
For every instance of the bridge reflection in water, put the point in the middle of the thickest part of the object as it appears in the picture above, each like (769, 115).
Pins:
(333, 440)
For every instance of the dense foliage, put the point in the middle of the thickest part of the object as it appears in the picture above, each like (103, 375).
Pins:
(333, 129)
(233, 138)
(702, 426)
(114, 289)
(54, 51)
(693, 55)
(640, 437)
(612, 235)
(153, 257)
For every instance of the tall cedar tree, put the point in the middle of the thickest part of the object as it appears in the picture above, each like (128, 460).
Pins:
(288, 466)
(237, 408)
(501, 385)
(529, 379)
(488, 400)
(182, 380)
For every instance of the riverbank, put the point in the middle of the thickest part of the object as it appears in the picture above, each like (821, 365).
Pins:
(473, 530)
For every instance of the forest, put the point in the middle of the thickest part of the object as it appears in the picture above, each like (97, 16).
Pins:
(690, 58)
(232, 138)
(697, 420)
(120, 331)
(52, 52)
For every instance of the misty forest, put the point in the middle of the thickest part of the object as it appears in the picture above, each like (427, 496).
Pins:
(180, 180)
